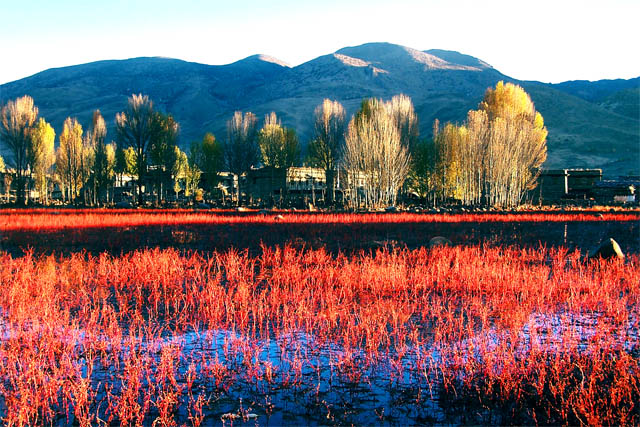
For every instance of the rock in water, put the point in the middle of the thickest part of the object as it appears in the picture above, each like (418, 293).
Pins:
(439, 241)
(609, 249)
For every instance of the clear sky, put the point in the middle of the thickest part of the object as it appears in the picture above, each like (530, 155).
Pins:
(549, 41)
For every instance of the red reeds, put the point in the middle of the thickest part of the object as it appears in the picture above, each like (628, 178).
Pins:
(528, 335)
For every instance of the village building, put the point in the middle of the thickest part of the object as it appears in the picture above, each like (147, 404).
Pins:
(277, 186)
(622, 190)
(561, 185)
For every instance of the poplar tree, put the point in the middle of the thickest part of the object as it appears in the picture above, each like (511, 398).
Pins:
(374, 155)
(241, 148)
(494, 157)
(208, 156)
(71, 158)
(134, 128)
(103, 170)
(328, 142)
(41, 155)
(17, 118)
(279, 146)
(125, 162)
(162, 151)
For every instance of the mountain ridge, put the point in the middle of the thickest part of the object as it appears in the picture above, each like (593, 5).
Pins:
(590, 124)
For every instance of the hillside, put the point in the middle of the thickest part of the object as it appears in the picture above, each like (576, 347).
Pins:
(596, 91)
(591, 124)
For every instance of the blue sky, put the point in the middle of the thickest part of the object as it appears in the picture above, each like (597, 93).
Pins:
(544, 40)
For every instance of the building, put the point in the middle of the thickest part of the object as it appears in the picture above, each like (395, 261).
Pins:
(621, 190)
(558, 185)
(581, 182)
(553, 185)
(277, 186)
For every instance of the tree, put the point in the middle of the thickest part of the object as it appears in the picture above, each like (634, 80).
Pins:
(495, 156)
(448, 144)
(74, 158)
(324, 150)
(41, 155)
(180, 170)
(241, 148)
(163, 150)
(134, 128)
(17, 118)
(208, 156)
(104, 159)
(374, 154)
(104, 169)
(279, 146)
(191, 172)
(421, 174)
(125, 162)
(406, 120)
(516, 144)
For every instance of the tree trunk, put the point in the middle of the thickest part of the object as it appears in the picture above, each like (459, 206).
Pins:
(331, 187)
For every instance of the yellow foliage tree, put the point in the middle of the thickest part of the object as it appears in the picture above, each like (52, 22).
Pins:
(517, 145)
(495, 156)
(74, 158)
(41, 155)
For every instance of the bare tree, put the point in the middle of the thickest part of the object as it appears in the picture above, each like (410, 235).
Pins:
(375, 155)
(134, 128)
(401, 108)
(17, 118)
(324, 150)
(241, 148)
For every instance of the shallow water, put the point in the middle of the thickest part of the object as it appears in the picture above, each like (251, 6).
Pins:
(321, 382)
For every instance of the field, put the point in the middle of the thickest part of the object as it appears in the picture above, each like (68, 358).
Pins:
(176, 317)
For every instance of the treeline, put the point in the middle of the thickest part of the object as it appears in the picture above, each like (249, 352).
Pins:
(491, 159)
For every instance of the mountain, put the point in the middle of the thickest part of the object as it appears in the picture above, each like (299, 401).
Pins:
(591, 124)
(596, 91)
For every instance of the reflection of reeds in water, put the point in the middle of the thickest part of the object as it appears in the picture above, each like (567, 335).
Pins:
(504, 333)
